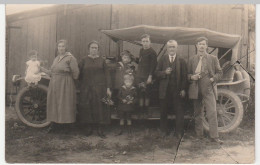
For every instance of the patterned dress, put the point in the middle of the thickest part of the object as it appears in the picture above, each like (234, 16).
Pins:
(129, 94)
(121, 70)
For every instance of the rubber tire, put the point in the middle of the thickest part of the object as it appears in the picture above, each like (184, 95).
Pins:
(239, 111)
(18, 111)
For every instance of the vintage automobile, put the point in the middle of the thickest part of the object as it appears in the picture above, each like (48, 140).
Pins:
(233, 89)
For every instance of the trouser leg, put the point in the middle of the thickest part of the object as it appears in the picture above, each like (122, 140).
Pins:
(210, 105)
(121, 129)
(121, 122)
(198, 116)
(179, 122)
(163, 117)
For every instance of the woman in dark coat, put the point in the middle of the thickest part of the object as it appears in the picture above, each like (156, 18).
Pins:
(94, 86)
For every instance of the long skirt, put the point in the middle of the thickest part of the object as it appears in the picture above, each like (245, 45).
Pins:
(61, 99)
(91, 108)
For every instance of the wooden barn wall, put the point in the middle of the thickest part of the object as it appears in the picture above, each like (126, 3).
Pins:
(220, 18)
(80, 26)
(25, 35)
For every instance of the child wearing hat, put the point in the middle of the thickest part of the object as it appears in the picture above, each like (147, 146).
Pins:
(127, 98)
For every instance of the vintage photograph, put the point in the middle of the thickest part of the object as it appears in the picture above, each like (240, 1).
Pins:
(130, 83)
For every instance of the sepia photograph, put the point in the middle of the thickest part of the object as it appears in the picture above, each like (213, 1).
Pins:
(130, 83)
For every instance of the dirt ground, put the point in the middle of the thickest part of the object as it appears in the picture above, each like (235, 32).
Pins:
(69, 145)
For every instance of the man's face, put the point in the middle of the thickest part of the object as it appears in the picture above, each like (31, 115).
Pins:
(202, 46)
(146, 43)
(172, 48)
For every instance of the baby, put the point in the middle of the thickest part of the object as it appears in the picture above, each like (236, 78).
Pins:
(32, 73)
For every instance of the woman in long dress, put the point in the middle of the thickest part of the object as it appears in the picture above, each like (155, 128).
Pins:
(61, 97)
(94, 86)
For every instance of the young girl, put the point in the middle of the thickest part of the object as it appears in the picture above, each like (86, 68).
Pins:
(32, 73)
(125, 66)
(127, 98)
(146, 67)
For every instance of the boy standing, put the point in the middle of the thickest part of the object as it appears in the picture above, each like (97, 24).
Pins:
(146, 67)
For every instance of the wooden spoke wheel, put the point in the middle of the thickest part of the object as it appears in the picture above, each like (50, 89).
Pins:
(31, 104)
(229, 111)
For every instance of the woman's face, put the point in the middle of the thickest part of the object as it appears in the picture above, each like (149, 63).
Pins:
(93, 49)
(61, 48)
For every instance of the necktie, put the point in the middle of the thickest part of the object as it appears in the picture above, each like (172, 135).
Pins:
(172, 59)
(198, 69)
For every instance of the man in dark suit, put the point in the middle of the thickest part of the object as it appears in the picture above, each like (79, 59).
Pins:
(172, 73)
(203, 73)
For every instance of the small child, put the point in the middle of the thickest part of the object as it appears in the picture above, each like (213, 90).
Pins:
(127, 98)
(32, 73)
(125, 66)
(146, 67)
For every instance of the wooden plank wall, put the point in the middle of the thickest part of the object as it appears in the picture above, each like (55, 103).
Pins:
(80, 26)
(25, 35)
(220, 18)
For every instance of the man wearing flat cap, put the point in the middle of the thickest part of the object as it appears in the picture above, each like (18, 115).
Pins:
(203, 73)
(172, 73)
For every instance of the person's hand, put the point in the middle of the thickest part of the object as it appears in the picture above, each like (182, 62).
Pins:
(149, 80)
(141, 85)
(211, 79)
(182, 94)
(195, 77)
(124, 101)
(129, 102)
(109, 93)
(168, 70)
(42, 69)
